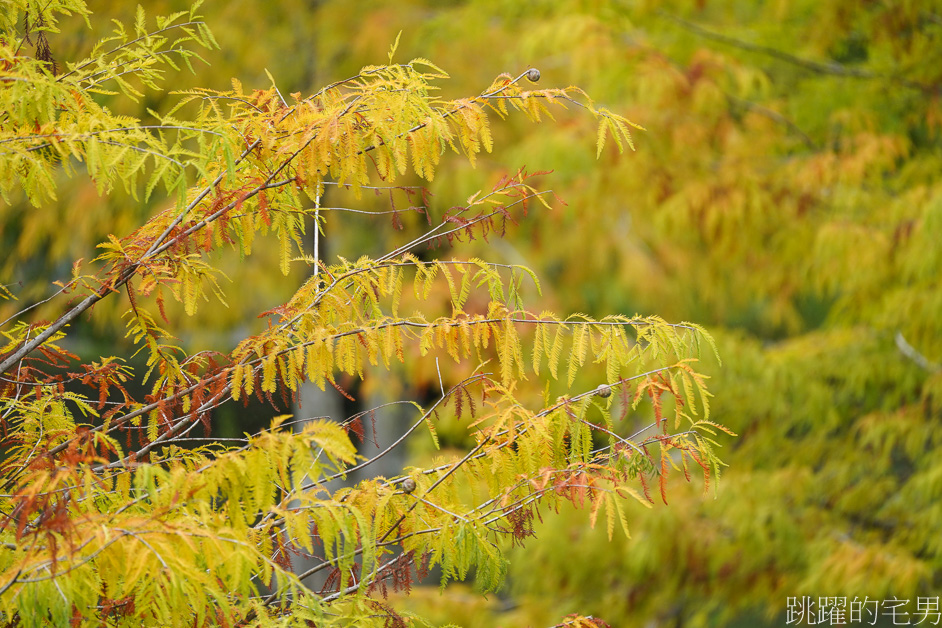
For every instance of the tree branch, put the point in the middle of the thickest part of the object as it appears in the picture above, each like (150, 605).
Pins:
(832, 67)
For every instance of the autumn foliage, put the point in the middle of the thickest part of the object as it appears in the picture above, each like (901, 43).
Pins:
(117, 508)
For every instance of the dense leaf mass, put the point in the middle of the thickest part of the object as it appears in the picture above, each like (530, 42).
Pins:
(785, 195)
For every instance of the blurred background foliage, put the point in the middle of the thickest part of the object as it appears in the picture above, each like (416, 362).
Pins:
(785, 194)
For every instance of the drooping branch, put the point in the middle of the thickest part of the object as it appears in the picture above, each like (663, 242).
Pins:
(832, 68)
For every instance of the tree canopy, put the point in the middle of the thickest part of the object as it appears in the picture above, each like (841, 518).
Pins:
(785, 195)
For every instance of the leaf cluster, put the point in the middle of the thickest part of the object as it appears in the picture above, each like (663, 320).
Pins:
(115, 508)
